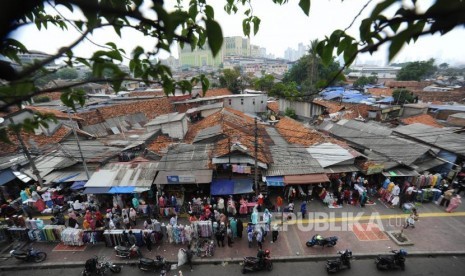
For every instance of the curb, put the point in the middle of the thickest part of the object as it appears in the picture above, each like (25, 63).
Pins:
(315, 258)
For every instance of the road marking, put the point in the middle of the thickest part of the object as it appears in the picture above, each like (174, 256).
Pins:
(373, 217)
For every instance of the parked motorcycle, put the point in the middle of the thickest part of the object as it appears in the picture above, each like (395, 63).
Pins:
(29, 255)
(254, 263)
(341, 263)
(385, 262)
(159, 263)
(127, 252)
(320, 240)
(99, 267)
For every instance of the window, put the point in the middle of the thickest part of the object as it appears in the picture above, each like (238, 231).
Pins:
(242, 101)
(229, 101)
(253, 102)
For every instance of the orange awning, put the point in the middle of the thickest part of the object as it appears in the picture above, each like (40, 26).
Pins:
(305, 179)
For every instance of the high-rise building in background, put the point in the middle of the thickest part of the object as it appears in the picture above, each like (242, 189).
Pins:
(232, 46)
(293, 55)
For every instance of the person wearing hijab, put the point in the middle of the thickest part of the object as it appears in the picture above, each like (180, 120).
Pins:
(133, 215)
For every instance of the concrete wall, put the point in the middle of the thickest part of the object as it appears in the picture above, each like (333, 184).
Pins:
(456, 121)
(303, 110)
(412, 111)
(443, 114)
(206, 113)
(247, 104)
(175, 129)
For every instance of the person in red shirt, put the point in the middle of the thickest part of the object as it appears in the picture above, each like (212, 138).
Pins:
(279, 203)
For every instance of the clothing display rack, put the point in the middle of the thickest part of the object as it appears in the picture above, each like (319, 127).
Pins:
(202, 229)
(20, 234)
(93, 236)
(53, 232)
(72, 236)
(115, 237)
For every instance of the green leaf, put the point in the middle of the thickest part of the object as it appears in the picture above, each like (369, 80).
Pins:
(256, 24)
(349, 53)
(305, 6)
(364, 29)
(209, 12)
(193, 11)
(396, 44)
(215, 36)
(344, 44)
(205, 84)
(246, 27)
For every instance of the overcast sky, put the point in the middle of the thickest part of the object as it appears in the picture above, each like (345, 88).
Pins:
(281, 27)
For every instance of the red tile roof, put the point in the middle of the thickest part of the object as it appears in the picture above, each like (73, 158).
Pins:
(39, 140)
(296, 133)
(151, 109)
(407, 84)
(425, 119)
(217, 92)
(353, 111)
(380, 91)
(160, 144)
(331, 107)
(238, 127)
(147, 93)
(58, 114)
(273, 106)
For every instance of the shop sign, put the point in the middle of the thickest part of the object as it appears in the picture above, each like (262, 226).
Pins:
(176, 179)
(373, 169)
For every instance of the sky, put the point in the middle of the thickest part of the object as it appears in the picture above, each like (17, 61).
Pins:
(281, 27)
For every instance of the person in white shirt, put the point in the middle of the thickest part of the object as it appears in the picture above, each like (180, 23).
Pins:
(77, 206)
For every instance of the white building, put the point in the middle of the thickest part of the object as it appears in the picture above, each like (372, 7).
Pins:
(173, 124)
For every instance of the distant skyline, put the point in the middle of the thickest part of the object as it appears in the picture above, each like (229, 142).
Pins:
(281, 27)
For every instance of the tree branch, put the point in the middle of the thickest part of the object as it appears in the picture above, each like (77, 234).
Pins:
(359, 13)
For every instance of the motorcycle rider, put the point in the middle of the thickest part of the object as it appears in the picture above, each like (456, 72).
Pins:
(261, 257)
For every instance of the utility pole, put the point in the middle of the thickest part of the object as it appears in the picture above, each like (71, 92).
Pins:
(256, 156)
(78, 144)
(35, 171)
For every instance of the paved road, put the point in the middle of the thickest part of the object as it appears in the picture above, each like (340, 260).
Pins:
(441, 266)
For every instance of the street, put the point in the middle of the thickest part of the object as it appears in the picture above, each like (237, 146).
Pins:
(414, 266)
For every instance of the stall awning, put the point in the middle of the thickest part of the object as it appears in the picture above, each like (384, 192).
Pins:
(141, 189)
(305, 179)
(400, 172)
(6, 176)
(231, 187)
(184, 177)
(275, 181)
(78, 185)
(96, 190)
(122, 190)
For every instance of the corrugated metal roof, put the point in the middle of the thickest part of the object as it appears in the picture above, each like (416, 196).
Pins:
(205, 107)
(328, 154)
(102, 178)
(443, 138)
(45, 164)
(289, 159)
(186, 157)
(208, 132)
(92, 150)
(133, 174)
(237, 159)
(306, 179)
(166, 118)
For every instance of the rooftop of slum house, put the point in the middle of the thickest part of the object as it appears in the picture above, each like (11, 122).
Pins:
(33, 140)
(295, 132)
(413, 84)
(184, 157)
(347, 95)
(290, 159)
(331, 107)
(273, 106)
(374, 137)
(57, 113)
(206, 99)
(216, 92)
(160, 144)
(379, 92)
(444, 138)
(232, 124)
(166, 118)
(425, 119)
(53, 160)
(328, 154)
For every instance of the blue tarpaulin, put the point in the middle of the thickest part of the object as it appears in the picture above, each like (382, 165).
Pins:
(122, 190)
(6, 176)
(65, 178)
(275, 181)
(231, 187)
(78, 185)
(96, 190)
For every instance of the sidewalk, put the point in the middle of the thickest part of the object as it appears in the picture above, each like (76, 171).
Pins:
(436, 232)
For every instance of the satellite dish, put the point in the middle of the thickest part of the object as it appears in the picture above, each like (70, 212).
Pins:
(2, 120)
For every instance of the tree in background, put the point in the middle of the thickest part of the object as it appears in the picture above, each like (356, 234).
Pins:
(289, 112)
(67, 74)
(264, 83)
(286, 90)
(402, 96)
(417, 70)
(231, 80)
(362, 81)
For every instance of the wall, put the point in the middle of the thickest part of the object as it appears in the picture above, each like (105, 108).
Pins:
(443, 114)
(247, 104)
(208, 112)
(303, 110)
(456, 121)
(175, 129)
(412, 111)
